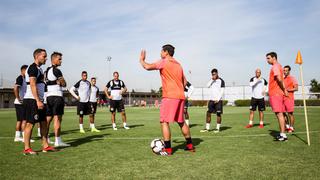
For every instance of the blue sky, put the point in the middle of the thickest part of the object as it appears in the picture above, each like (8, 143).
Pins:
(231, 35)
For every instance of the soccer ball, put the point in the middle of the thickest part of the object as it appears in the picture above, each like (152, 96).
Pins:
(157, 145)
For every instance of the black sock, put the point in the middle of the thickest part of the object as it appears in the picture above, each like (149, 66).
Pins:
(189, 141)
(167, 144)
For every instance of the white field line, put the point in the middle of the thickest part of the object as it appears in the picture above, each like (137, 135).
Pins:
(180, 137)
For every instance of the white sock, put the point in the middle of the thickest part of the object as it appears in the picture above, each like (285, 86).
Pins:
(261, 122)
(58, 139)
(92, 125)
(22, 134)
(207, 126)
(114, 125)
(39, 131)
(287, 126)
(291, 127)
(250, 122)
(124, 124)
(218, 126)
(187, 121)
(283, 135)
(81, 126)
(18, 133)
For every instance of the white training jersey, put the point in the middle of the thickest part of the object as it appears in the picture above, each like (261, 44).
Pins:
(52, 75)
(115, 87)
(216, 89)
(22, 88)
(259, 86)
(94, 94)
(35, 71)
(84, 89)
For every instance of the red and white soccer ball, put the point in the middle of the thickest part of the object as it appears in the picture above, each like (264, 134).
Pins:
(157, 145)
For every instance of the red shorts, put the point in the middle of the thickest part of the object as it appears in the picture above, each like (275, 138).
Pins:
(171, 110)
(277, 103)
(289, 104)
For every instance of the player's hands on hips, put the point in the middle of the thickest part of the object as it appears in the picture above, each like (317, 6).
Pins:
(110, 97)
(216, 101)
(286, 93)
(78, 98)
(143, 55)
(40, 105)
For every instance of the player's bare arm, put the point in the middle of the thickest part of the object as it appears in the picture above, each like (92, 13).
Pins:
(107, 93)
(62, 82)
(146, 65)
(16, 92)
(281, 85)
(34, 90)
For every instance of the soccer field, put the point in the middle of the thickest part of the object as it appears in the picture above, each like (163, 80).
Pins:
(234, 153)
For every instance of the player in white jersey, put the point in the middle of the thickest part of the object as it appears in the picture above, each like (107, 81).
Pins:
(33, 102)
(259, 88)
(94, 94)
(117, 88)
(215, 105)
(188, 89)
(84, 89)
(19, 90)
(54, 97)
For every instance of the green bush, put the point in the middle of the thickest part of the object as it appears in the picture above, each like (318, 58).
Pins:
(203, 102)
(299, 102)
(309, 102)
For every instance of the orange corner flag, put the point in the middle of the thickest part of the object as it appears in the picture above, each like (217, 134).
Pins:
(299, 58)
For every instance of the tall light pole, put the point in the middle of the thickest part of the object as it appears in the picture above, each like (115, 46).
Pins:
(109, 66)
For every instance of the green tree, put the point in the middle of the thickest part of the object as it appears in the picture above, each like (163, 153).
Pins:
(315, 87)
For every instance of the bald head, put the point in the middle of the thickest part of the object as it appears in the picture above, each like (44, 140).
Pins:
(258, 73)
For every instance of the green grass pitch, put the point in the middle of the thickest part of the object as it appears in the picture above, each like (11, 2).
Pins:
(234, 153)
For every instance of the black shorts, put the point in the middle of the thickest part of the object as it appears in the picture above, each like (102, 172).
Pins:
(116, 105)
(55, 105)
(33, 114)
(257, 102)
(83, 108)
(215, 107)
(20, 112)
(93, 107)
(186, 104)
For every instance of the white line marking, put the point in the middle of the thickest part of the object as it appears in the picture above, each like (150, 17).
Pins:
(179, 137)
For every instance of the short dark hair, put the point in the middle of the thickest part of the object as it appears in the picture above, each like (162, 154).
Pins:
(23, 67)
(272, 54)
(38, 51)
(287, 66)
(84, 72)
(93, 78)
(55, 53)
(116, 72)
(169, 48)
(214, 71)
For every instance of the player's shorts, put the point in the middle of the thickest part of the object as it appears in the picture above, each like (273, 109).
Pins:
(33, 114)
(277, 103)
(289, 105)
(257, 102)
(215, 107)
(116, 105)
(55, 105)
(83, 108)
(171, 110)
(93, 107)
(186, 104)
(20, 112)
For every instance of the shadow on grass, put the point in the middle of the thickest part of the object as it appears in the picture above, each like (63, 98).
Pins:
(300, 138)
(194, 125)
(224, 128)
(109, 126)
(83, 140)
(182, 145)
(264, 124)
(274, 133)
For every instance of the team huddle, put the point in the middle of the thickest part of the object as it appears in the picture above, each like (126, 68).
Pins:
(39, 99)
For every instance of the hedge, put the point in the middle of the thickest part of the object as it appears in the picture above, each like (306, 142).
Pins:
(310, 102)
(203, 102)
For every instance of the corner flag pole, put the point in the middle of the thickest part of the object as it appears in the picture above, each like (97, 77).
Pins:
(299, 61)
